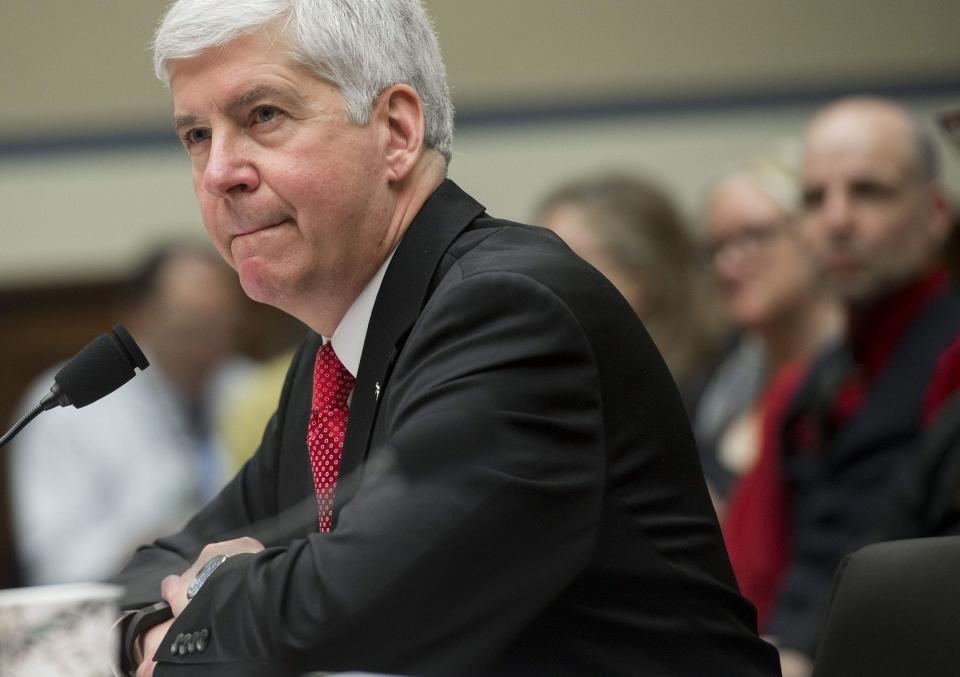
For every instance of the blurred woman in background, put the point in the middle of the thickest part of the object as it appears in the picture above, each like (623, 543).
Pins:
(630, 230)
(773, 295)
(771, 292)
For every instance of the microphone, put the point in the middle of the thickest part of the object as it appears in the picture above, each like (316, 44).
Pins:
(102, 366)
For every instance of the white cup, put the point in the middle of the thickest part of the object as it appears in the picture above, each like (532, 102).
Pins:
(53, 630)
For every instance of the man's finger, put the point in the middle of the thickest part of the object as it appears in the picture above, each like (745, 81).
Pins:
(168, 588)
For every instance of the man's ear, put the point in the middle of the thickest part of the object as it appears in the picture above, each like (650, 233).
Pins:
(399, 111)
(941, 214)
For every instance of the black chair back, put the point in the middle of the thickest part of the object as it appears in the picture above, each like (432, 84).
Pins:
(895, 612)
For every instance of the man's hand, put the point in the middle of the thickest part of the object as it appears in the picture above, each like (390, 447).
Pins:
(150, 643)
(173, 589)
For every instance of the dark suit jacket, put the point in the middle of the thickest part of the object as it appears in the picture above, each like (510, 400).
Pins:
(842, 480)
(523, 496)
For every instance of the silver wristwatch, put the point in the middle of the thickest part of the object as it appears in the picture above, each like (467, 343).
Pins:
(205, 572)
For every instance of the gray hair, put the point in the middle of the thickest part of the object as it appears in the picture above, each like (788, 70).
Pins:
(361, 46)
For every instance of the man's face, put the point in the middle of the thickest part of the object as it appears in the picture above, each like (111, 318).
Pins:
(873, 221)
(191, 321)
(291, 192)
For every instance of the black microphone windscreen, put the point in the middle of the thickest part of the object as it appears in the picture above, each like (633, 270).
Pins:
(130, 347)
(102, 366)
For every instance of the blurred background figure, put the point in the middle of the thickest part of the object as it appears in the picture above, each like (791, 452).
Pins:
(630, 230)
(846, 433)
(948, 121)
(772, 295)
(929, 504)
(247, 407)
(775, 299)
(88, 485)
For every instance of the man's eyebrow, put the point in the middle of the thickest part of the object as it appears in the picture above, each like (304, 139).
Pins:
(242, 100)
(259, 92)
(181, 122)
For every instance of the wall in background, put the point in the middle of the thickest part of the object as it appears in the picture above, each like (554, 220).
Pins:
(85, 66)
(546, 89)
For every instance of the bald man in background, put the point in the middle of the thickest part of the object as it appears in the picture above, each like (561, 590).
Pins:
(876, 217)
(88, 486)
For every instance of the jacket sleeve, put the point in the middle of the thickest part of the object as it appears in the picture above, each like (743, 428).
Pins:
(478, 505)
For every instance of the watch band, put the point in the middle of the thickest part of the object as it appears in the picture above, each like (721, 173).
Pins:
(136, 625)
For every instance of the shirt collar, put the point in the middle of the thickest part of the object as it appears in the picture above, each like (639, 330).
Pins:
(350, 334)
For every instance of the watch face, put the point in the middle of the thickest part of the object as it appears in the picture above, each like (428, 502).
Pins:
(204, 574)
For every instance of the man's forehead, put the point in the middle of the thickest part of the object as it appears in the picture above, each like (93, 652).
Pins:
(198, 91)
(858, 151)
(859, 135)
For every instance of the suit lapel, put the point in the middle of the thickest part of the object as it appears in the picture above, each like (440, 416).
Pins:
(296, 475)
(403, 293)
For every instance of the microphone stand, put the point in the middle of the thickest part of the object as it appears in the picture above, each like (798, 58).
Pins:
(50, 401)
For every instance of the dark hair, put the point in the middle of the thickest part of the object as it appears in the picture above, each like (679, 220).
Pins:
(925, 149)
(144, 279)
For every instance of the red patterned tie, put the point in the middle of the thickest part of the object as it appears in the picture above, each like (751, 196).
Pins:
(328, 423)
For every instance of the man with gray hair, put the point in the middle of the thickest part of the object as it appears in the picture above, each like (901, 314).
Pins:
(876, 216)
(479, 463)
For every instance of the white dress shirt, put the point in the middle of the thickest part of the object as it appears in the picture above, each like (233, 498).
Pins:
(350, 334)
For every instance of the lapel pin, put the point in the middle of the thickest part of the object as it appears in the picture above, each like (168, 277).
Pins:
(376, 391)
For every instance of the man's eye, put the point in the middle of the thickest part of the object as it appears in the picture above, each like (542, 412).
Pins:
(872, 190)
(194, 136)
(812, 198)
(265, 114)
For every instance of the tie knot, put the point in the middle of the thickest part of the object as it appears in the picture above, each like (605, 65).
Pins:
(331, 380)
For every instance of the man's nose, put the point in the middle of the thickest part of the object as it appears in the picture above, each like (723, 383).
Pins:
(229, 170)
(837, 213)
(728, 261)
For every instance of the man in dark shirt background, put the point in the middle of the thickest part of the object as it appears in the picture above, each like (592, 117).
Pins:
(876, 216)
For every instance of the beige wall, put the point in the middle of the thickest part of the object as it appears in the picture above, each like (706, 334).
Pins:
(69, 69)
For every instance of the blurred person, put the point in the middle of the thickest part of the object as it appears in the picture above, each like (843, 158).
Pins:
(89, 485)
(929, 504)
(773, 297)
(851, 426)
(456, 480)
(248, 405)
(949, 122)
(246, 408)
(630, 230)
